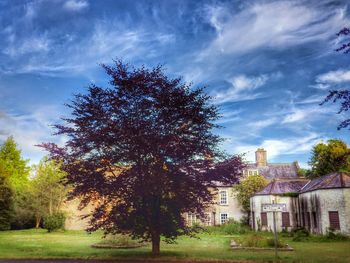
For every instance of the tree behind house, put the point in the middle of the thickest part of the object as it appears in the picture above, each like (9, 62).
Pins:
(139, 149)
(246, 188)
(333, 156)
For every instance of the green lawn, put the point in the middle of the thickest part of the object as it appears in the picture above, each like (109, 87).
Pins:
(77, 244)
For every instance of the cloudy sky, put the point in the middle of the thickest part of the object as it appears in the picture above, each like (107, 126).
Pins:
(267, 64)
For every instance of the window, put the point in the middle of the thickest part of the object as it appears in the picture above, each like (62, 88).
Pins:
(314, 219)
(296, 219)
(334, 220)
(253, 172)
(285, 219)
(263, 219)
(223, 218)
(223, 197)
(191, 219)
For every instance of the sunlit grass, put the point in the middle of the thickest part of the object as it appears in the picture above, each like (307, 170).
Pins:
(77, 244)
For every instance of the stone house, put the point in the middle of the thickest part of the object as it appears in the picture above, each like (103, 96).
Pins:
(317, 205)
(226, 204)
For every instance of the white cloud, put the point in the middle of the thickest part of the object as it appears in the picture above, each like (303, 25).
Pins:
(240, 89)
(76, 5)
(244, 87)
(280, 147)
(33, 44)
(277, 24)
(336, 76)
(29, 130)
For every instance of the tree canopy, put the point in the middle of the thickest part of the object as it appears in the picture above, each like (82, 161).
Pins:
(143, 150)
(14, 167)
(247, 187)
(333, 156)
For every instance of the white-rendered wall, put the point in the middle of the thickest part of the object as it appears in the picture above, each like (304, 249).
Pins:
(256, 203)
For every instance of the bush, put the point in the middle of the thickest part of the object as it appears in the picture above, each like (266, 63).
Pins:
(271, 243)
(54, 222)
(231, 227)
(333, 235)
(235, 228)
(300, 234)
(254, 240)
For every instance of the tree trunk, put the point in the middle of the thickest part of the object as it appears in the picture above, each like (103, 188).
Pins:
(155, 244)
(37, 221)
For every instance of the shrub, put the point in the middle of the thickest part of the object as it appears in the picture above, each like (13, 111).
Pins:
(300, 234)
(271, 242)
(254, 240)
(233, 227)
(333, 235)
(54, 222)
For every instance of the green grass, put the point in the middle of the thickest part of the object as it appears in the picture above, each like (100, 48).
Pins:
(77, 244)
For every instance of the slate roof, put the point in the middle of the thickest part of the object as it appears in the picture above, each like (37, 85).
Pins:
(283, 185)
(301, 185)
(333, 180)
(276, 170)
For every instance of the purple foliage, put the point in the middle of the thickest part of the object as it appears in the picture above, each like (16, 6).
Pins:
(143, 152)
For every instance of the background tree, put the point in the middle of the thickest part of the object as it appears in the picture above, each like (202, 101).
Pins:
(333, 156)
(15, 171)
(48, 189)
(6, 204)
(246, 188)
(343, 95)
(143, 150)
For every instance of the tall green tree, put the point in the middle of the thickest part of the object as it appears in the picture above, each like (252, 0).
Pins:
(333, 156)
(48, 190)
(15, 168)
(16, 173)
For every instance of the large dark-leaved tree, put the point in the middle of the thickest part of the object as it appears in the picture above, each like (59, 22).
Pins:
(342, 95)
(143, 150)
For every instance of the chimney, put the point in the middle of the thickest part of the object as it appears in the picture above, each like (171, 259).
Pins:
(260, 157)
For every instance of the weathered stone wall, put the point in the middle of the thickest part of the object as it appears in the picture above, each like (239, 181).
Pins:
(324, 200)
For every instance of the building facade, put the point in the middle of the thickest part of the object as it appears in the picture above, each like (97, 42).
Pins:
(317, 205)
(226, 206)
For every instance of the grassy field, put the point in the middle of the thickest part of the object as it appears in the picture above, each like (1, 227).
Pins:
(77, 244)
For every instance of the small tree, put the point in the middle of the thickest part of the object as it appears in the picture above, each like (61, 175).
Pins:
(333, 156)
(143, 150)
(246, 188)
(48, 190)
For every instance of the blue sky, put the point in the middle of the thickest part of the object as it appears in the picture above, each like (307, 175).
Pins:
(267, 64)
